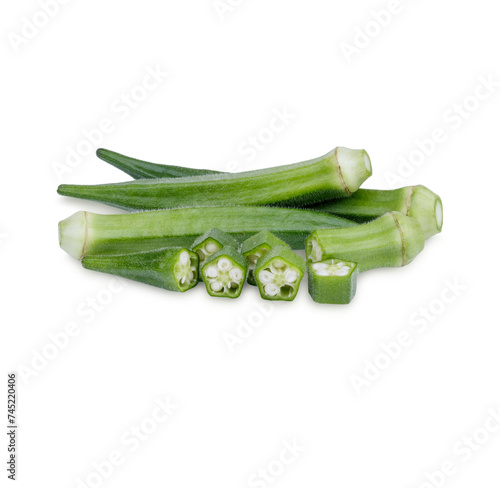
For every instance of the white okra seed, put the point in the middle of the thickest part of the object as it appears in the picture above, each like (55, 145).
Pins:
(235, 274)
(212, 247)
(212, 272)
(271, 289)
(323, 272)
(216, 286)
(291, 276)
(342, 272)
(279, 264)
(184, 257)
(265, 276)
(318, 266)
(223, 264)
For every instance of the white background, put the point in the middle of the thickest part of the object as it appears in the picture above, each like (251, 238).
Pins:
(291, 379)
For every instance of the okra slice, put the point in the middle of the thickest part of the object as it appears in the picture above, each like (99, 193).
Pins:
(211, 242)
(278, 274)
(332, 281)
(224, 273)
(255, 247)
(174, 269)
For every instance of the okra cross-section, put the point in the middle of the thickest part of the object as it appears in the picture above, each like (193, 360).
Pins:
(255, 247)
(224, 273)
(211, 242)
(390, 241)
(174, 269)
(278, 274)
(332, 281)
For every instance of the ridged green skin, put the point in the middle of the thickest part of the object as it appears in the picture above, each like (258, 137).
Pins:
(237, 259)
(294, 185)
(413, 201)
(392, 240)
(139, 169)
(156, 268)
(257, 246)
(86, 233)
(294, 261)
(215, 236)
(335, 290)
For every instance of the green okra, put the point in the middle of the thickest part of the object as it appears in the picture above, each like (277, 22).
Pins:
(337, 174)
(255, 247)
(224, 273)
(414, 201)
(211, 242)
(332, 281)
(389, 241)
(139, 169)
(278, 274)
(174, 269)
(86, 233)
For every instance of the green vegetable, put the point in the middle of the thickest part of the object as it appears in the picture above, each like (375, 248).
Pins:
(337, 174)
(391, 240)
(332, 281)
(174, 269)
(255, 247)
(278, 274)
(142, 169)
(211, 242)
(86, 233)
(414, 201)
(224, 273)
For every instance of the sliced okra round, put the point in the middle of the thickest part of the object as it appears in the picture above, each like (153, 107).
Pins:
(174, 269)
(255, 247)
(224, 273)
(211, 242)
(332, 281)
(278, 274)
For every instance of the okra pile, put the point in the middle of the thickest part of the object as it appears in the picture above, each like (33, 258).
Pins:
(180, 230)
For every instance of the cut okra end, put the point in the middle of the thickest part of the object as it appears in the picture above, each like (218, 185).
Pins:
(255, 247)
(211, 242)
(427, 207)
(174, 269)
(224, 273)
(278, 274)
(332, 281)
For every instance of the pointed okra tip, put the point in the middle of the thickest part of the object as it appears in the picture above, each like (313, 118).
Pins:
(73, 233)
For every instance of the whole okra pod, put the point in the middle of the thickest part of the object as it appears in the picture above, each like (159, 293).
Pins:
(337, 174)
(86, 233)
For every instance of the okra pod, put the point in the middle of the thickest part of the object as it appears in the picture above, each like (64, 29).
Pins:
(139, 169)
(86, 233)
(414, 201)
(337, 174)
(278, 274)
(174, 269)
(332, 281)
(389, 241)
(255, 247)
(211, 242)
(224, 273)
